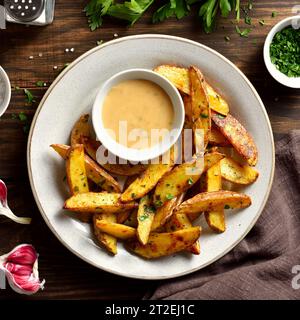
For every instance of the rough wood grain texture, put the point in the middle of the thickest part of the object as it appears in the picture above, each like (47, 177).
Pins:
(66, 275)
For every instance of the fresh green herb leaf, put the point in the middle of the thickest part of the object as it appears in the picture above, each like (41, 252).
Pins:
(17, 88)
(274, 14)
(40, 83)
(285, 51)
(204, 115)
(175, 8)
(158, 203)
(99, 42)
(226, 206)
(130, 11)
(132, 195)
(227, 38)
(29, 96)
(220, 116)
(95, 10)
(149, 209)
(190, 181)
(242, 33)
(14, 116)
(22, 116)
(169, 196)
(248, 20)
(143, 217)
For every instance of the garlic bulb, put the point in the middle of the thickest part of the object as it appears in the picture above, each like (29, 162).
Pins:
(4, 208)
(21, 269)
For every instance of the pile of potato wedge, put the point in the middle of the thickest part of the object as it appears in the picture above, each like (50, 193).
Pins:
(155, 213)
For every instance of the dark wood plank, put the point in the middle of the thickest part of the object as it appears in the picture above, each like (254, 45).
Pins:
(66, 275)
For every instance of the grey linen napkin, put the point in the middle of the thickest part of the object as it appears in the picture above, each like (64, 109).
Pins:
(261, 266)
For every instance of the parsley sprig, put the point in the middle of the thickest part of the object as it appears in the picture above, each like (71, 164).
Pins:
(132, 10)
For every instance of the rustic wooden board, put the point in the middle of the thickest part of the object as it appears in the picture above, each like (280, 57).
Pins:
(66, 275)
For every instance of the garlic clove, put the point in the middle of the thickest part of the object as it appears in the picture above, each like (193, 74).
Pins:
(18, 269)
(21, 269)
(4, 208)
(23, 254)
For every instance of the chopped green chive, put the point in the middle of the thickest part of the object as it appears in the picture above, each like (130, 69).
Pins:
(40, 84)
(133, 195)
(226, 206)
(274, 14)
(169, 196)
(285, 51)
(143, 217)
(158, 203)
(243, 33)
(204, 115)
(190, 181)
(29, 96)
(22, 116)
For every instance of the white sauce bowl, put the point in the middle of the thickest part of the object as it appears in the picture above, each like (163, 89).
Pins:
(130, 154)
(5, 91)
(275, 73)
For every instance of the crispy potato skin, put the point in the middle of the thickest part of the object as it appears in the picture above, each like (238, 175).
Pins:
(216, 200)
(163, 213)
(215, 219)
(145, 218)
(238, 136)
(179, 222)
(145, 182)
(75, 169)
(105, 240)
(182, 177)
(97, 202)
(119, 231)
(80, 129)
(200, 105)
(164, 244)
(177, 75)
(236, 173)
(93, 170)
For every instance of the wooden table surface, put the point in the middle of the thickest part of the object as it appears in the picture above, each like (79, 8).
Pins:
(66, 275)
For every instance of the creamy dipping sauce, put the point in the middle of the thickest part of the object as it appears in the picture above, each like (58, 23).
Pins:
(143, 105)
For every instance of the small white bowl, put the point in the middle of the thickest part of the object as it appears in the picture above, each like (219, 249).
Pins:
(130, 154)
(5, 99)
(275, 73)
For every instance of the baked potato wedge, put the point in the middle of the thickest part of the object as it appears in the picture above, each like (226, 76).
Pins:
(177, 75)
(75, 169)
(216, 102)
(94, 172)
(146, 181)
(182, 177)
(200, 104)
(238, 136)
(117, 230)
(105, 240)
(216, 138)
(97, 202)
(80, 129)
(91, 146)
(132, 219)
(180, 78)
(145, 216)
(236, 173)
(215, 219)
(179, 222)
(163, 213)
(215, 200)
(164, 244)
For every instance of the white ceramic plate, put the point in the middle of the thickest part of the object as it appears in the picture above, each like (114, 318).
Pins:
(72, 94)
